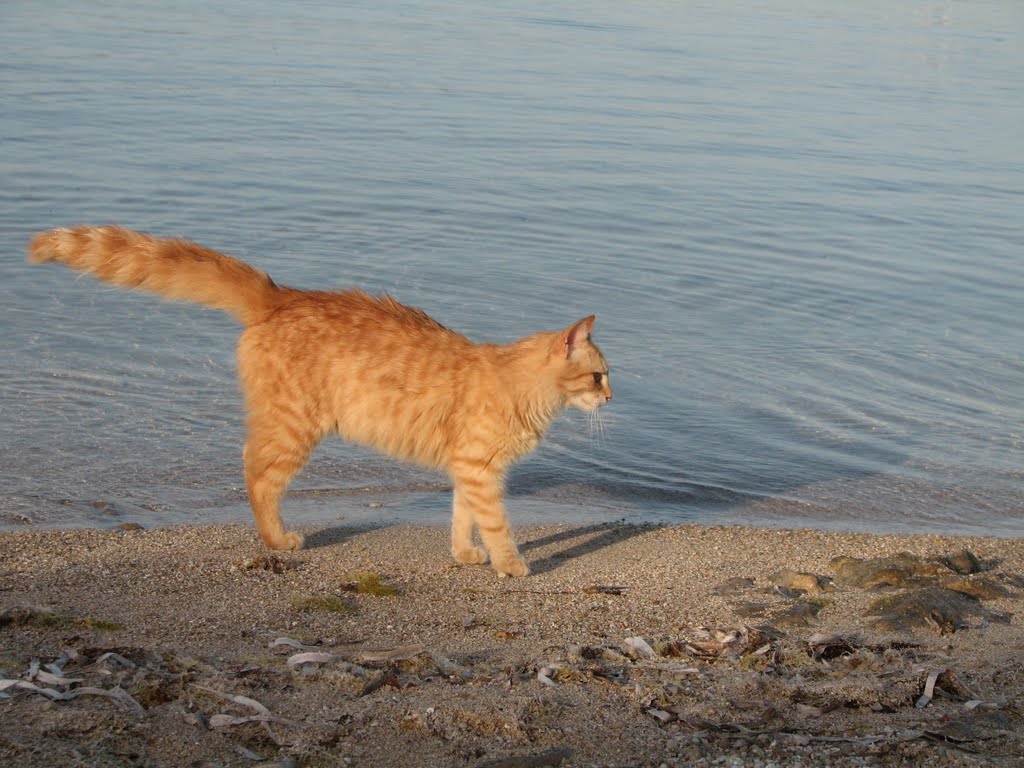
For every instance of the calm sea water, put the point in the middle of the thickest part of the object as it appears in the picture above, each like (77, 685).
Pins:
(799, 224)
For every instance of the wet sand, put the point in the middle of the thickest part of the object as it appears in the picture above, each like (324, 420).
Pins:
(629, 646)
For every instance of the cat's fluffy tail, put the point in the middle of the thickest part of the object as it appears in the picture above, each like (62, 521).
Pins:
(174, 269)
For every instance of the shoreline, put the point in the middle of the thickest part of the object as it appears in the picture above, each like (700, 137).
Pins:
(386, 510)
(630, 645)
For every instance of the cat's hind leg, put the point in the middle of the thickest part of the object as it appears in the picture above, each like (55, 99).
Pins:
(275, 451)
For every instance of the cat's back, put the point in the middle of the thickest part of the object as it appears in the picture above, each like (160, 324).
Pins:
(356, 337)
(352, 317)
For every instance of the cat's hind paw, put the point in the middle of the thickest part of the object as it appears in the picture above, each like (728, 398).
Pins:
(511, 566)
(470, 555)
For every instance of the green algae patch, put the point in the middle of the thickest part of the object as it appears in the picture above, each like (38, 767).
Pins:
(369, 583)
(45, 618)
(324, 604)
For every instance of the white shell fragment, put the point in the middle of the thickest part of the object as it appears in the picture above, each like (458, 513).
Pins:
(401, 653)
(116, 693)
(223, 721)
(544, 676)
(929, 689)
(311, 658)
(289, 642)
(661, 715)
(56, 678)
(111, 656)
(263, 715)
(640, 647)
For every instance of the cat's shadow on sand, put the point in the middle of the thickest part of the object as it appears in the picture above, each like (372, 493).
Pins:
(332, 537)
(576, 542)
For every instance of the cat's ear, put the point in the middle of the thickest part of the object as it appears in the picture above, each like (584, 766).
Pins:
(573, 336)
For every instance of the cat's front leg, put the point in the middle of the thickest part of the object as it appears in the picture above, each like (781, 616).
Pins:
(478, 499)
(463, 548)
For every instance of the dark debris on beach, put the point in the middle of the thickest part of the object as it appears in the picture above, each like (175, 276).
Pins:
(776, 688)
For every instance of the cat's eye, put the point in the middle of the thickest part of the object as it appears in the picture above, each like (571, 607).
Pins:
(597, 377)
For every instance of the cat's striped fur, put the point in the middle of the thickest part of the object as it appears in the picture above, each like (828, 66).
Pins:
(375, 371)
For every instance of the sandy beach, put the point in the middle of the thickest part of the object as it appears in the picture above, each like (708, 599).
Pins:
(628, 646)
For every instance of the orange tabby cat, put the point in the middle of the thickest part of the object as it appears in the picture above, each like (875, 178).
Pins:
(377, 372)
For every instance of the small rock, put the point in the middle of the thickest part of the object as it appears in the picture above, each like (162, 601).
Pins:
(956, 731)
(900, 570)
(801, 614)
(803, 582)
(1014, 580)
(941, 609)
(197, 719)
(734, 586)
(963, 562)
(786, 592)
(981, 589)
(746, 610)
(661, 715)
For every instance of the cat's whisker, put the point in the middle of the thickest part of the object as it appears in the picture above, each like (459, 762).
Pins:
(595, 426)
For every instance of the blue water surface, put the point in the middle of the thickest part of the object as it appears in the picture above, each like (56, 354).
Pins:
(798, 223)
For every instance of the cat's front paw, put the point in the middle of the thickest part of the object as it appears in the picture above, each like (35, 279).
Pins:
(470, 555)
(287, 542)
(511, 566)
